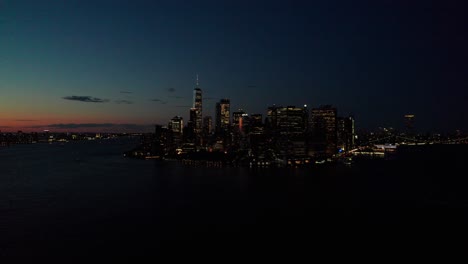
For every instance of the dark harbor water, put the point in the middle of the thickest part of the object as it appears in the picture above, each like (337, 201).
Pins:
(85, 198)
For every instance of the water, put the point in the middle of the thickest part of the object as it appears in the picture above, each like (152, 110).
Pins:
(85, 198)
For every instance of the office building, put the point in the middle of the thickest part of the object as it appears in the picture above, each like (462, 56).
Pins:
(207, 125)
(198, 107)
(324, 130)
(176, 126)
(223, 114)
(256, 124)
(290, 131)
(409, 122)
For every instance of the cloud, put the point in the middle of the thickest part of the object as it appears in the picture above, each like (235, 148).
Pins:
(25, 120)
(123, 102)
(171, 90)
(86, 99)
(126, 92)
(184, 106)
(177, 97)
(159, 101)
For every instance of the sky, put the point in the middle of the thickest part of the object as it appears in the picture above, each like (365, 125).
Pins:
(127, 65)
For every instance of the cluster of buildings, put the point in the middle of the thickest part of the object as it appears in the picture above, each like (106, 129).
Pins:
(20, 137)
(8, 139)
(286, 134)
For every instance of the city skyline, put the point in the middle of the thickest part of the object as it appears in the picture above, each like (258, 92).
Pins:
(127, 65)
(185, 113)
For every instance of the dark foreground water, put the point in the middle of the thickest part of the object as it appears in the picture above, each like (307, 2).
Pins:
(86, 199)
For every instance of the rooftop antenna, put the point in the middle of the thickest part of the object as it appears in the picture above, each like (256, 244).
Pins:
(197, 79)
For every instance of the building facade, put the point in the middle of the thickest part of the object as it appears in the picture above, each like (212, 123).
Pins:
(324, 130)
(198, 108)
(223, 116)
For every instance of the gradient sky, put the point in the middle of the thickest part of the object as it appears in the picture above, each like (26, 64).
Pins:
(137, 60)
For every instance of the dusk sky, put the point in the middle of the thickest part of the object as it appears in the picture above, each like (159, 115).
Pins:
(116, 65)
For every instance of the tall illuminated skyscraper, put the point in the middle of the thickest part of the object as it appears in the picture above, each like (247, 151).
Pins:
(237, 116)
(198, 106)
(176, 126)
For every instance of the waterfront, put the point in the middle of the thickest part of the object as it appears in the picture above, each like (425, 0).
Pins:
(84, 198)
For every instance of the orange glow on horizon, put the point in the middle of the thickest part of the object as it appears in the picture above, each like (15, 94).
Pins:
(76, 125)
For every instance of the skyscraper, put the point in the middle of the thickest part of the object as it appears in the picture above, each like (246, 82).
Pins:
(256, 124)
(409, 122)
(345, 133)
(257, 136)
(193, 115)
(197, 105)
(207, 131)
(223, 113)
(350, 133)
(189, 132)
(290, 131)
(207, 125)
(291, 120)
(176, 126)
(324, 129)
(239, 124)
(236, 116)
(272, 118)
